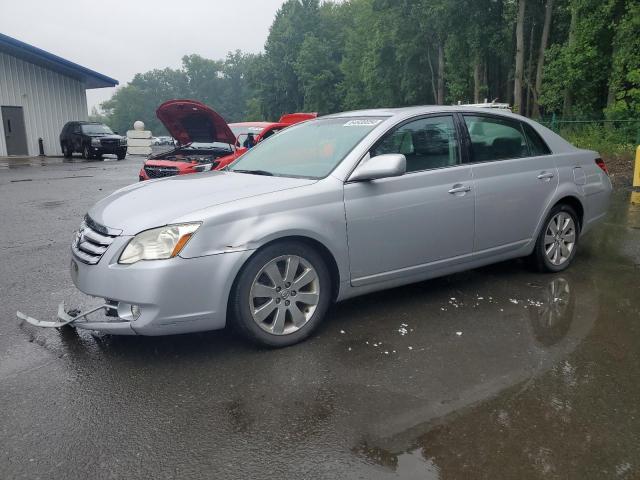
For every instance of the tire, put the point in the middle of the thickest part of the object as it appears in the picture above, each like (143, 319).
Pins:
(281, 318)
(86, 153)
(562, 245)
(122, 155)
(66, 151)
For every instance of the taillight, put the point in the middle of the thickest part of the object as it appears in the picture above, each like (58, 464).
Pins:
(602, 165)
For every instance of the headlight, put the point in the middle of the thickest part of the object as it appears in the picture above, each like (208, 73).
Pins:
(203, 167)
(158, 244)
(123, 141)
(95, 142)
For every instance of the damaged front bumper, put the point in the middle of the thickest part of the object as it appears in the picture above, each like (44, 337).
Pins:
(72, 318)
(161, 297)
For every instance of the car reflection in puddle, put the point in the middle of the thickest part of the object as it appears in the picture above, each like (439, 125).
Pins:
(552, 320)
(500, 424)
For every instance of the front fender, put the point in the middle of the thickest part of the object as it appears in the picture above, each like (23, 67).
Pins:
(316, 213)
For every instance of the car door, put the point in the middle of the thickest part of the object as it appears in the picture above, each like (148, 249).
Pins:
(403, 226)
(515, 178)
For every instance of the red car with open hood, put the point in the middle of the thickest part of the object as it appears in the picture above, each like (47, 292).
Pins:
(202, 134)
(205, 141)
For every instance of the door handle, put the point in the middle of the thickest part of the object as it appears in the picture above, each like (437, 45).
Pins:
(458, 188)
(546, 175)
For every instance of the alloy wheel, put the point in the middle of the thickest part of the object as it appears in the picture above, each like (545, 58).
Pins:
(284, 295)
(560, 238)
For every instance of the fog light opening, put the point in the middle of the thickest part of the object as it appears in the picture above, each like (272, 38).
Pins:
(135, 311)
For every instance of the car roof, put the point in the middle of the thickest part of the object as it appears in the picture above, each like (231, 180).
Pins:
(250, 124)
(402, 112)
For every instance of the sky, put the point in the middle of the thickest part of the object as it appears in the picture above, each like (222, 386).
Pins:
(120, 38)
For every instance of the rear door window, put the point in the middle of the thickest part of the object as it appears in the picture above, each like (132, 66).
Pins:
(495, 138)
(426, 143)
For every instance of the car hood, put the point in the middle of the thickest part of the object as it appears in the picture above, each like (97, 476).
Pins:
(155, 203)
(106, 137)
(191, 121)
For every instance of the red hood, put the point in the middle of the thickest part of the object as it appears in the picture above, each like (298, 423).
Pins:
(191, 121)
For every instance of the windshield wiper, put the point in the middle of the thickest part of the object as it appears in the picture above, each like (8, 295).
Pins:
(254, 172)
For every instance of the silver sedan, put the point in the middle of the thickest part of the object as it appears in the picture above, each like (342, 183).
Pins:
(333, 208)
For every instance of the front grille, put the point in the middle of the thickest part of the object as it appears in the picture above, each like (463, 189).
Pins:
(110, 142)
(159, 172)
(91, 241)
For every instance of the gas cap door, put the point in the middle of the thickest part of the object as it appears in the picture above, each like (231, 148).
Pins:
(578, 176)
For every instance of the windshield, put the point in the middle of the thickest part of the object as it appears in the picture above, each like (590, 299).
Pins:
(309, 150)
(96, 129)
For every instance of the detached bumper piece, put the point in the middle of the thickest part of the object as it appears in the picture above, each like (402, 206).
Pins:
(65, 318)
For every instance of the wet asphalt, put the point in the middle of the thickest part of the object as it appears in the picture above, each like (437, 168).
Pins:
(494, 373)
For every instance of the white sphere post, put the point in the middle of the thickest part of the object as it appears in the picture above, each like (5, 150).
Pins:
(138, 140)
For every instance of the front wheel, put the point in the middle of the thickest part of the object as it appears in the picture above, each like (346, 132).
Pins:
(281, 295)
(86, 153)
(66, 151)
(557, 241)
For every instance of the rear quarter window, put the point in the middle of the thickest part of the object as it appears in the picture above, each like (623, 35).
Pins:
(536, 144)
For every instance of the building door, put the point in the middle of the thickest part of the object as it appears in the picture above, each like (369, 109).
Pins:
(15, 134)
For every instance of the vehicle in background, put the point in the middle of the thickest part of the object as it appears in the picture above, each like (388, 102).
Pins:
(162, 140)
(197, 152)
(261, 131)
(202, 137)
(92, 140)
(333, 208)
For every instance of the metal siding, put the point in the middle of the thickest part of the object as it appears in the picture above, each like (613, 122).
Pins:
(48, 99)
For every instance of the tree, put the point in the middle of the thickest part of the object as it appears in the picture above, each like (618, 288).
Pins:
(318, 75)
(278, 85)
(517, 84)
(220, 84)
(580, 57)
(624, 81)
(544, 39)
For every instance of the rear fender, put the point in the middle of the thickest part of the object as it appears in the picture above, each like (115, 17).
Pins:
(564, 190)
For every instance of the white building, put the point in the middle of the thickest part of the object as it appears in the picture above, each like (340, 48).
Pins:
(39, 93)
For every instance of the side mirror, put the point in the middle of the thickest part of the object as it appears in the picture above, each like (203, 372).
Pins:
(382, 166)
(116, 133)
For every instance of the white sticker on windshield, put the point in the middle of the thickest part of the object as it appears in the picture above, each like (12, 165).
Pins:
(363, 123)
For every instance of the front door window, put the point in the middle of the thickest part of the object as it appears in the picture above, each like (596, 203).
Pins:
(426, 143)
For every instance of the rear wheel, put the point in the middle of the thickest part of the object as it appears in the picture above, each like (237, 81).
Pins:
(558, 240)
(281, 295)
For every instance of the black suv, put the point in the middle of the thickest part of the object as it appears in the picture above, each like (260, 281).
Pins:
(92, 139)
